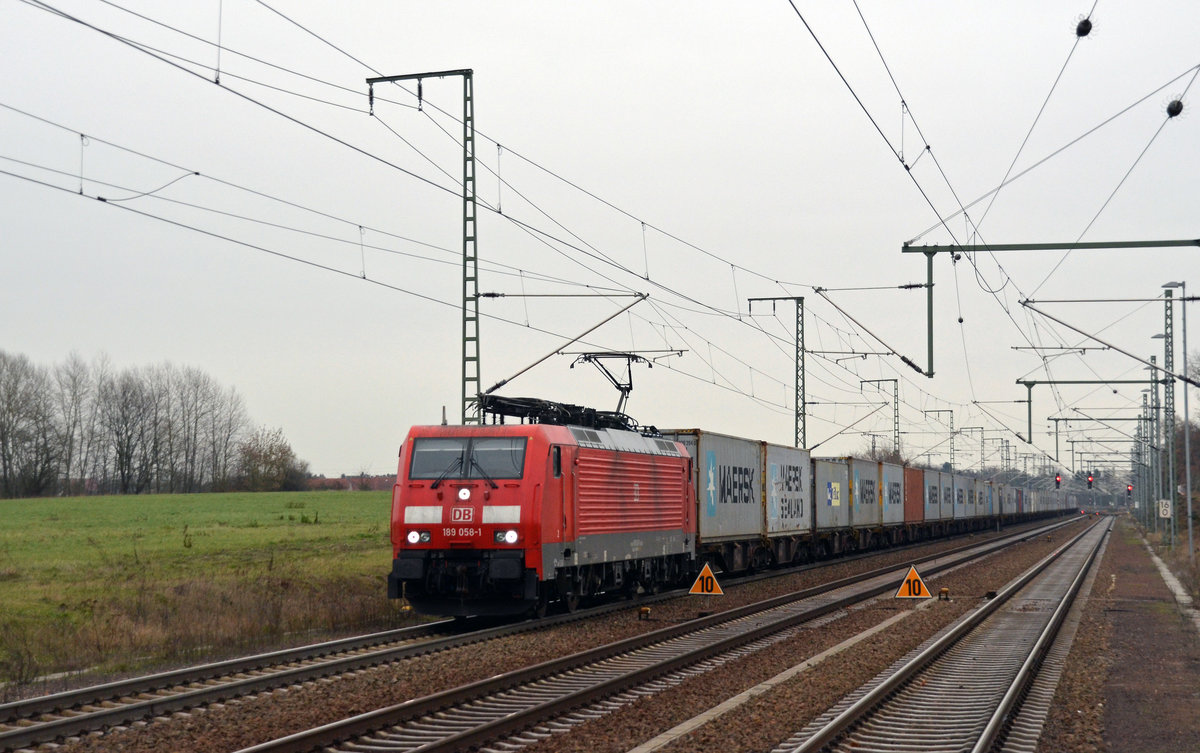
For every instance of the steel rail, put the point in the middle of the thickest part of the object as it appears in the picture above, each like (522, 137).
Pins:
(510, 721)
(843, 722)
(1029, 668)
(151, 683)
(73, 719)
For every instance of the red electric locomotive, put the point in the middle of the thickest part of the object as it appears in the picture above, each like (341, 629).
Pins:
(505, 519)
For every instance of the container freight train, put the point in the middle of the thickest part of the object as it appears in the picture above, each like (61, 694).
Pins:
(507, 519)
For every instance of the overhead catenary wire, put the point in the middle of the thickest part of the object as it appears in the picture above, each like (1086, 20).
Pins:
(359, 61)
(735, 266)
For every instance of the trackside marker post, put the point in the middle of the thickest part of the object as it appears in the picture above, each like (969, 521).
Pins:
(913, 587)
(706, 584)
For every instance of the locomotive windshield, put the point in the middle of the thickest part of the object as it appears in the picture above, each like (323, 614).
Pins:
(467, 457)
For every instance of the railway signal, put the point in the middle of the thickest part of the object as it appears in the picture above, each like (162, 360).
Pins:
(913, 587)
(1057, 480)
(1089, 481)
(1129, 491)
(706, 583)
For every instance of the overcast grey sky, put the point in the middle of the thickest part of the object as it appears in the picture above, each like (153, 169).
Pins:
(723, 158)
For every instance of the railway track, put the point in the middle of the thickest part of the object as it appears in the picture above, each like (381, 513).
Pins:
(30, 722)
(524, 705)
(54, 717)
(963, 689)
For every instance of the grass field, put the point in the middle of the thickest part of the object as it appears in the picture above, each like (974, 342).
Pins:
(123, 582)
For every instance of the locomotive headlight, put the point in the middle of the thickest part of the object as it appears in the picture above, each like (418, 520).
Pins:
(414, 537)
(506, 537)
(425, 537)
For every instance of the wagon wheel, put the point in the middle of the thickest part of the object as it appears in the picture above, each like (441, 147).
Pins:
(540, 607)
(571, 601)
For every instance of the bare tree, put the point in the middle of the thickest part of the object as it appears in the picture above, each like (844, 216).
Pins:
(226, 426)
(28, 447)
(77, 428)
(74, 391)
(124, 415)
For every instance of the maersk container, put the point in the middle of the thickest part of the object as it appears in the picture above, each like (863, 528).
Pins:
(914, 495)
(947, 495)
(864, 488)
(788, 486)
(727, 472)
(961, 484)
(831, 494)
(970, 495)
(1008, 504)
(933, 495)
(892, 490)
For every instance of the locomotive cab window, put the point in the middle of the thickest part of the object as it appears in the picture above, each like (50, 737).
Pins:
(433, 456)
(556, 460)
(463, 457)
(497, 457)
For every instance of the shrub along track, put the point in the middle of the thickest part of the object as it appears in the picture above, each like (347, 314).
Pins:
(223, 727)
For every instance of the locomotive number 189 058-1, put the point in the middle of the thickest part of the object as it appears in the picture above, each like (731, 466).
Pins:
(462, 532)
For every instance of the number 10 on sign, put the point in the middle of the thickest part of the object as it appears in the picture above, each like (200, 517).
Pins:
(913, 587)
(706, 584)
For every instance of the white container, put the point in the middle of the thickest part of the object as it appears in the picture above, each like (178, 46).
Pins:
(787, 483)
(728, 473)
(831, 494)
(891, 487)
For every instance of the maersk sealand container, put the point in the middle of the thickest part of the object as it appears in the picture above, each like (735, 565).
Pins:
(831, 494)
(788, 487)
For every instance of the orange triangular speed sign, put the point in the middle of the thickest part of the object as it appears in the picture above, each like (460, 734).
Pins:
(706, 583)
(913, 587)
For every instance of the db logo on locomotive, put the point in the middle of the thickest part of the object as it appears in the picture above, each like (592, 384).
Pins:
(462, 514)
